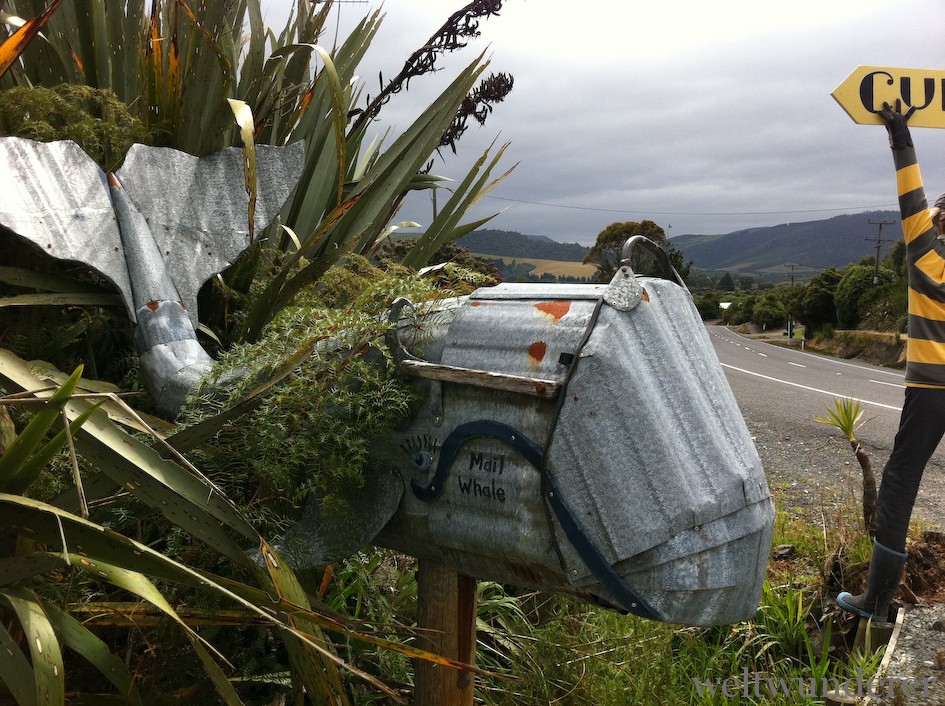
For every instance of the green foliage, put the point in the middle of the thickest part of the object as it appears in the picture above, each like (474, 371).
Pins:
(94, 118)
(576, 654)
(453, 253)
(845, 416)
(740, 310)
(313, 431)
(783, 618)
(708, 305)
(817, 307)
(748, 282)
(175, 71)
(726, 283)
(857, 281)
(605, 254)
(517, 271)
(317, 390)
(768, 311)
(895, 259)
(54, 327)
(886, 307)
(486, 241)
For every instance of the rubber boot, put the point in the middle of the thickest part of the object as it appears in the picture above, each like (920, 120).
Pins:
(885, 571)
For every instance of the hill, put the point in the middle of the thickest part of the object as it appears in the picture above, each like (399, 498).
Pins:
(509, 244)
(811, 246)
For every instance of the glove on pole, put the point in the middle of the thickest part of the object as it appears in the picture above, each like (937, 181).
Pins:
(897, 125)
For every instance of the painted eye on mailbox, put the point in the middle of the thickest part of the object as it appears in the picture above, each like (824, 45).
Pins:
(422, 460)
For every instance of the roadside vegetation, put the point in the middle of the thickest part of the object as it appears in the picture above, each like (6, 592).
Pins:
(860, 296)
(137, 557)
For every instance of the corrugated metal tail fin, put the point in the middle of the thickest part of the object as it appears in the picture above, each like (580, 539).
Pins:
(197, 208)
(56, 197)
(167, 223)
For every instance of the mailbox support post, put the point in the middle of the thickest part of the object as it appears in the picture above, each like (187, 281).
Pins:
(446, 616)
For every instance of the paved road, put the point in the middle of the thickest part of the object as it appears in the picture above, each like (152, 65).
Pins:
(791, 387)
(783, 390)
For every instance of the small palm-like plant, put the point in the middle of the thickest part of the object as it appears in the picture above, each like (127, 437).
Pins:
(845, 416)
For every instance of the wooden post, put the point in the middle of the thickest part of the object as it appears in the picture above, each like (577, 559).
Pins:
(446, 615)
(870, 636)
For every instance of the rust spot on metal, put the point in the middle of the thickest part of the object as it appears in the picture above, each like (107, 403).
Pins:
(646, 295)
(152, 305)
(556, 310)
(540, 388)
(536, 351)
(475, 303)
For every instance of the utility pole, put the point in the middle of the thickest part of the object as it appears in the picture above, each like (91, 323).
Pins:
(790, 321)
(879, 243)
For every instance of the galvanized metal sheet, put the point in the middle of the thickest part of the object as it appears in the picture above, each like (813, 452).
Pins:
(197, 208)
(650, 453)
(55, 196)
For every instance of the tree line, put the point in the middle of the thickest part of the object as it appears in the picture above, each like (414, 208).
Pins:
(865, 294)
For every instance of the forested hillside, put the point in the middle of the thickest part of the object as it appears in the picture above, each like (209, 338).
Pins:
(511, 244)
(812, 246)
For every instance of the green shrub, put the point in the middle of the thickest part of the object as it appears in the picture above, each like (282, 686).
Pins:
(708, 306)
(857, 281)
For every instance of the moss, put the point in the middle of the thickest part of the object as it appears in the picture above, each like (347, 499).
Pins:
(94, 118)
(315, 427)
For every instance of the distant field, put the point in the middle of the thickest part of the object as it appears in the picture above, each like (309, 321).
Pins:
(558, 268)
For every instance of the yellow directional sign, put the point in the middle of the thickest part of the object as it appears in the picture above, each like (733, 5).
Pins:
(863, 92)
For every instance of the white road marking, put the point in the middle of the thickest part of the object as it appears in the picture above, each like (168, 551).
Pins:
(891, 384)
(796, 365)
(892, 373)
(812, 389)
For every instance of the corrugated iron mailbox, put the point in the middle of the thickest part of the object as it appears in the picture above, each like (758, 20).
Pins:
(576, 438)
(583, 438)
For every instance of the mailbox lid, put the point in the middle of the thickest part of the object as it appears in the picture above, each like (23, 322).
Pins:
(532, 330)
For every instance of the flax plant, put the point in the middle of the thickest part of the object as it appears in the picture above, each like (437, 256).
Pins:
(179, 67)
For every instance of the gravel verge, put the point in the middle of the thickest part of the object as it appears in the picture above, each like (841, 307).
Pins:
(813, 479)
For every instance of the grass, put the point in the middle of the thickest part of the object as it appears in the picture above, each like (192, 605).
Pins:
(554, 650)
(558, 268)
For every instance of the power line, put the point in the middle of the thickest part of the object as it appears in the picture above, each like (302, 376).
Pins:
(693, 213)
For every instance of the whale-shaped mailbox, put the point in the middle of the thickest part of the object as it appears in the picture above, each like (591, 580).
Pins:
(583, 438)
(576, 438)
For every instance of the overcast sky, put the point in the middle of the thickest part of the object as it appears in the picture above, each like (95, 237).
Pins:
(706, 117)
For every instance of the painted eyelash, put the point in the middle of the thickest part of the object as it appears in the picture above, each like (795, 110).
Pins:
(420, 443)
(421, 450)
